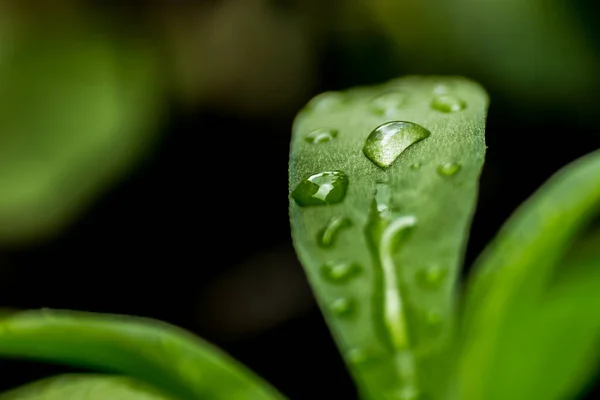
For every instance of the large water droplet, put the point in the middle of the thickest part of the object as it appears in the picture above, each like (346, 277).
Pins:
(340, 272)
(328, 235)
(448, 103)
(388, 104)
(448, 168)
(385, 144)
(321, 135)
(343, 307)
(385, 233)
(432, 277)
(322, 188)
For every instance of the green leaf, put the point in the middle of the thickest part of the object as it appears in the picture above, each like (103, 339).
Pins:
(163, 355)
(531, 324)
(545, 58)
(85, 387)
(79, 107)
(382, 237)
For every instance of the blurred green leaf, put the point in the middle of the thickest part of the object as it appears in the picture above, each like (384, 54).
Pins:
(167, 357)
(383, 261)
(85, 387)
(535, 52)
(79, 106)
(531, 330)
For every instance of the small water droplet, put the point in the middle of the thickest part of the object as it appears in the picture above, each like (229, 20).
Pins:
(357, 356)
(433, 317)
(321, 135)
(343, 307)
(432, 277)
(383, 199)
(340, 272)
(328, 235)
(327, 100)
(448, 103)
(441, 89)
(405, 393)
(322, 188)
(388, 141)
(389, 103)
(415, 166)
(448, 168)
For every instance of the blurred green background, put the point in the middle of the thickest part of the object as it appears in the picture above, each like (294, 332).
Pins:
(144, 148)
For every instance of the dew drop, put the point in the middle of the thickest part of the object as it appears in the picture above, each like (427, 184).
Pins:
(448, 103)
(321, 135)
(389, 103)
(340, 272)
(448, 168)
(441, 89)
(343, 307)
(320, 189)
(415, 166)
(357, 356)
(433, 317)
(327, 100)
(432, 277)
(433, 320)
(383, 199)
(385, 233)
(406, 393)
(388, 141)
(328, 235)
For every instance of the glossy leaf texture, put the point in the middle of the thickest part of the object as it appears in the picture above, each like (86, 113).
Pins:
(85, 387)
(531, 323)
(80, 105)
(167, 357)
(383, 183)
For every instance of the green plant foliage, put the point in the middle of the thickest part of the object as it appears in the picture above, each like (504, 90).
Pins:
(531, 325)
(88, 387)
(157, 353)
(400, 163)
(79, 106)
(534, 51)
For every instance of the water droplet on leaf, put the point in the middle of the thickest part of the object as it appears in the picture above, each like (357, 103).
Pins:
(389, 103)
(415, 166)
(357, 356)
(448, 103)
(388, 141)
(320, 189)
(321, 135)
(329, 234)
(432, 277)
(327, 100)
(343, 307)
(340, 272)
(433, 317)
(406, 393)
(448, 168)
(383, 199)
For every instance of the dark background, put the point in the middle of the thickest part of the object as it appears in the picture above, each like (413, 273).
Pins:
(205, 244)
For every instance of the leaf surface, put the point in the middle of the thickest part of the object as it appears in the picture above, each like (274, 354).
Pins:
(152, 351)
(532, 310)
(380, 224)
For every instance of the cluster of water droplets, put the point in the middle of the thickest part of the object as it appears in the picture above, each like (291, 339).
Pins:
(383, 146)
